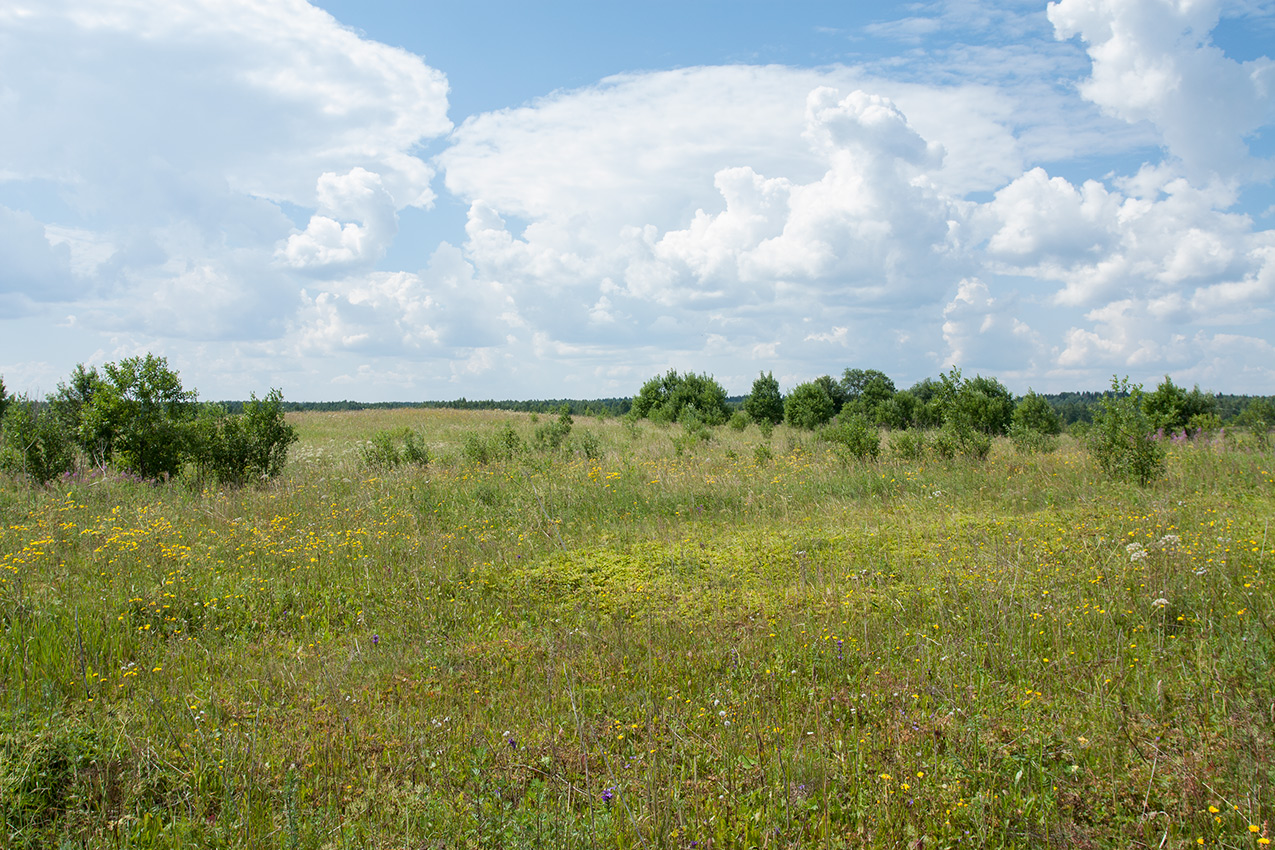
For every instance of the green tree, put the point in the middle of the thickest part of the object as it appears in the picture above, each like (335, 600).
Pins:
(1259, 417)
(869, 393)
(69, 402)
(1122, 438)
(139, 417)
(900, 411)
(32, 442)
(1258, 414)
(666, 398)
(765, 403)
(1034, 413)
(987, 404)
(928, 393)
(808, 406)
(4, 399)
(855, 382)
(970, 412)
(1171, 408)
(1035, 425)
(833, 389)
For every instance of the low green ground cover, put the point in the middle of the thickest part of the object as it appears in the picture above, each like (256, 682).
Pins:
(640, 639)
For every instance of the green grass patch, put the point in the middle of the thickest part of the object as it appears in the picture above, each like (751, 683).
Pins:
(746, 641)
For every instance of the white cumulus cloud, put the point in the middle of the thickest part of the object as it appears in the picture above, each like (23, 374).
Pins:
(1153, 61)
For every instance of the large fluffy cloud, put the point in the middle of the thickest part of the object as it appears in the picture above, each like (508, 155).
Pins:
(731, 213)
(1153, 61)
(260, 97)
(179, 138)
(238, 177)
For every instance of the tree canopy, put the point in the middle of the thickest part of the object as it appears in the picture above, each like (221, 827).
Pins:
(669, 397)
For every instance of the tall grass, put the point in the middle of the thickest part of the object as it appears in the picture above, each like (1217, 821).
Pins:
(679, 642)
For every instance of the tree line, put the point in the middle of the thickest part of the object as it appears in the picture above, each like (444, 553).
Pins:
(1071, 407)
(954, 415)
(136, 417)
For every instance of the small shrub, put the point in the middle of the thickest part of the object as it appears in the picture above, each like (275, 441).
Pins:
(1122, 439)
(415, 451)
(1028, 440)
(478, 449)
(957, 438)
(854, 437)
(389, 449)
(380, 452)
(766, 427)
(762, 455)
(694, 425)
(552, 435)
(589, 445)
(508, 444)
(739, 421)
(909, 445)
(682, 443)
(1206, 424)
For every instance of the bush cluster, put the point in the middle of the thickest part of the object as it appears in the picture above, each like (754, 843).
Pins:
(950, 416)
(136, 417)
(396, 447)
(665, 399)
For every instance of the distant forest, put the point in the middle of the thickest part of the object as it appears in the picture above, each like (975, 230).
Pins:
(1071, 407)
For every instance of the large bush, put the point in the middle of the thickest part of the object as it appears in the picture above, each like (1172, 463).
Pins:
(969, 412)
(765, 403)
(139, 417)
(808, 406)
(251, 446)
(853, 437)
(983, 404)
(1122, 438)
(135, 415)
(1034, 413)
(1035, 425)
(666, 398)
(70, 402)
(834, 390)
(869, 392)
(1171, 408)
(902, 410)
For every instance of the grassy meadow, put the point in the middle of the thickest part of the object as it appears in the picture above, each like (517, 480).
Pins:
(642, 640)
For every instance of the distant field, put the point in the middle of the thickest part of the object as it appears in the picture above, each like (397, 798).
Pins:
(642, 639)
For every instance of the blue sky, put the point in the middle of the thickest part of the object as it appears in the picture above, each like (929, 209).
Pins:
(404, 200)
